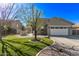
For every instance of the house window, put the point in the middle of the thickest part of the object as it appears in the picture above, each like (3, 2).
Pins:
(56, 27)
(64, 27)
(61, 27)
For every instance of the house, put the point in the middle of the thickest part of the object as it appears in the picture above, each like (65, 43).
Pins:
(75, 29)
(59, 26)
(14, 24)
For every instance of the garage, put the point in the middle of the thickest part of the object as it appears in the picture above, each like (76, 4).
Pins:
(75, 32)
(75, 29)
(59, 31)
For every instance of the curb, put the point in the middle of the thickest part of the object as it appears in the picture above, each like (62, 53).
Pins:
(44, 48)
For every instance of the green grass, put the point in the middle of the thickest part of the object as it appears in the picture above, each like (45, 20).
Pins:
(24, 46)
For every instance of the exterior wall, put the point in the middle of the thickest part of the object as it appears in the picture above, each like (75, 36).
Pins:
(15, 24)
(70, 31)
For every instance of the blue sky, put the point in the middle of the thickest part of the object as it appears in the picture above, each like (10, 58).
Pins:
(68, 11)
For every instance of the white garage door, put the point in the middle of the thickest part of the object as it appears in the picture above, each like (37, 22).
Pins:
(59, 31)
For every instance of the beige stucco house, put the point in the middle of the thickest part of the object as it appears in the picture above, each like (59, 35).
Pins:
(15, 24)
(75, 29)
(59, 26)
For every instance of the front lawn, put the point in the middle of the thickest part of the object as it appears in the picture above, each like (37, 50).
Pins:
(24, 46)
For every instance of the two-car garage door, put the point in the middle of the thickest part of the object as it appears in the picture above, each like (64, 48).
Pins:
(59, 31)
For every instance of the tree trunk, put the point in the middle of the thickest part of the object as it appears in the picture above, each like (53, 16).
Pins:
(0, 36)
(35, 34)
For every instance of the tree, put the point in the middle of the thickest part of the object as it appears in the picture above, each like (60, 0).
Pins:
(22, 13)
(12, 11)
(5, 12)
(29, 16)
(35, 17)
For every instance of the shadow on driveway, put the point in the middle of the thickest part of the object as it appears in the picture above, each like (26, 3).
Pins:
(74, 37)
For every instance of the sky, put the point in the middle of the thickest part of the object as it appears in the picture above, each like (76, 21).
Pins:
(68, 11)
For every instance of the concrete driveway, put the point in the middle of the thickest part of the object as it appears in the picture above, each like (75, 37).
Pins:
(64, 46)
(68, 41)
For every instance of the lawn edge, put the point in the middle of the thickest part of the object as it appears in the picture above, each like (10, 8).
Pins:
(45, 48)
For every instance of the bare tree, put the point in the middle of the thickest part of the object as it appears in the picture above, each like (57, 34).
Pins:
(5, 13)
(35, 17)
(30, 16)
(7, 10)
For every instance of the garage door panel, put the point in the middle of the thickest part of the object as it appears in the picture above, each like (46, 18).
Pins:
(59, 31)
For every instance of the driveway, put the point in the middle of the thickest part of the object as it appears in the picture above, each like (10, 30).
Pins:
(68, 41)
(64, 46)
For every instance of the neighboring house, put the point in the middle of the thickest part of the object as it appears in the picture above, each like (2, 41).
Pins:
(75, 29)
(59, 26)
(14, 24)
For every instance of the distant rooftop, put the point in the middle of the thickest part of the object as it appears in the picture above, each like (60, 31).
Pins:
(76, 25)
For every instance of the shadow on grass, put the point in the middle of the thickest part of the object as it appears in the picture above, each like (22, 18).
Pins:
(18, 52)
(27, 44)
(44, 43)
(3, 48)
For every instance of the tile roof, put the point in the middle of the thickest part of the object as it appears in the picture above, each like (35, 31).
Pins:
(59, 21)
(55, 21)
